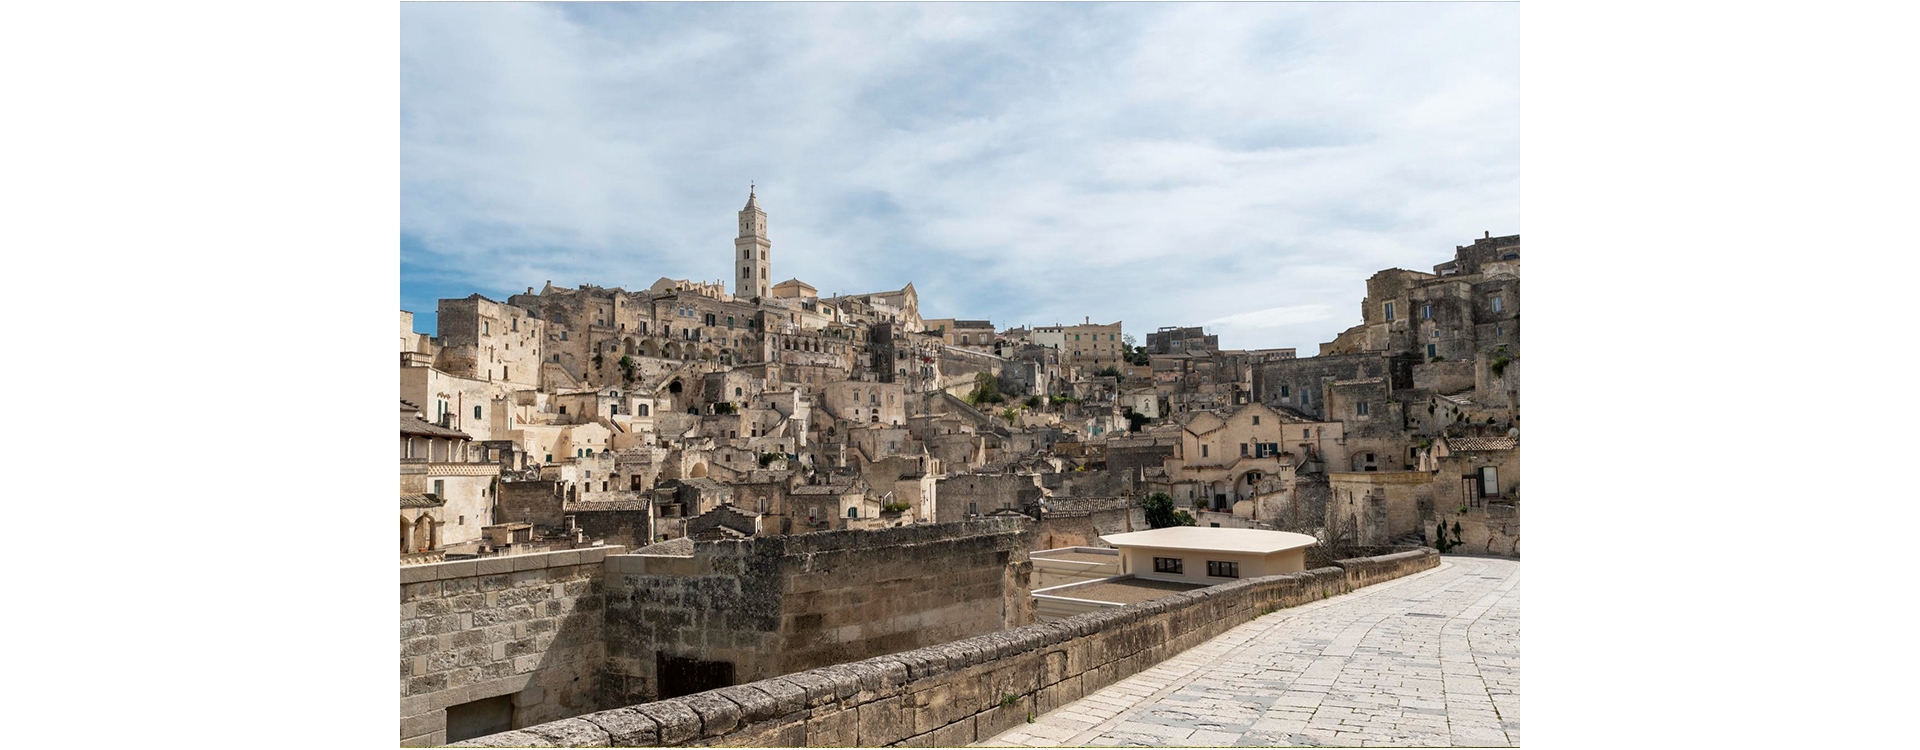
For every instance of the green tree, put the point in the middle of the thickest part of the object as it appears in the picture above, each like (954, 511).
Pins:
(1160, 512)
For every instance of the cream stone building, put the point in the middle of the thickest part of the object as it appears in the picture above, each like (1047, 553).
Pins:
(481, 339)
(446, 492)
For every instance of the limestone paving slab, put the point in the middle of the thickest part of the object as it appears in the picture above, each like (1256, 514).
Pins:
(1429, 660)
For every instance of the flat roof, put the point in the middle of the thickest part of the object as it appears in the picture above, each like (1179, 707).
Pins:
(1207, 538)
(1119, 590)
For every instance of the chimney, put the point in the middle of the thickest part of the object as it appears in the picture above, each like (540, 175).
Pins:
(1489, 233)
(1089, 320)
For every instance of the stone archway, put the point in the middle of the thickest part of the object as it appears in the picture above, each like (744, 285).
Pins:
(699, 471)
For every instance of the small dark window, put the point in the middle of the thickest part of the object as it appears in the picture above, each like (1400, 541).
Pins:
(1218, 569)
(476, 412)
(1360, 408)
(1173, 565)
(1256, 420)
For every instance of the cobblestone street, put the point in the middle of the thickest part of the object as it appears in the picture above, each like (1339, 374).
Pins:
(1428, 660)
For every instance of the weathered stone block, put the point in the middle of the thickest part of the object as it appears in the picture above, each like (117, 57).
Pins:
(1058, 694)
(427, 723)
(830, 726)
(787, 697)
(788, 731)
(574, 732)
(717, 714)
(1000, 718)
(626, 727)
(461, 569)
(755, 706)
(676, 720)
(488, 566)
(884, 722)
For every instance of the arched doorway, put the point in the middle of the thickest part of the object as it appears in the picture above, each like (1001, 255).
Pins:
(698, 471)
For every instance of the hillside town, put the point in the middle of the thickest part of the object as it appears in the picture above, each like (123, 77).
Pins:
(576, 417)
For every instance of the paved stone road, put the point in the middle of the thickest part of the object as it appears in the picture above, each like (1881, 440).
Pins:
(1432, 659)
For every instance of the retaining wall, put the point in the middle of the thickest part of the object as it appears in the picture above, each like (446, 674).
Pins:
(961, 692)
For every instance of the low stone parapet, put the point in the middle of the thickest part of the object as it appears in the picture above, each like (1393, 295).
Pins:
(957, 693)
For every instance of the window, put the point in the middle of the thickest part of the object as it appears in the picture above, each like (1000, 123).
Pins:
(1430, 351)
(439, 488)
(563, 337)
(1389, 311)
(1256, 420)
(973, 509)
(1305, 433)
(476, 412)
(1172, 565)
(1426, 312)
(1219, 569)
(1489, 482)
(1360, 408)
(516, 324)
(1496, 303)
(563, 409)
(1283, 391)
(486, 327)
(853, 512)
(1243, 449)
(549, 458)
(1203, 451)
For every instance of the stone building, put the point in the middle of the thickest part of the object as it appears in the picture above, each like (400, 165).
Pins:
(1177, 340)
(446, 488)
(481, 339)
(753, 268)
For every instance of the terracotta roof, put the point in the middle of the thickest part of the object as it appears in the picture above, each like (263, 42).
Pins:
(421, 501)
(1483, 443)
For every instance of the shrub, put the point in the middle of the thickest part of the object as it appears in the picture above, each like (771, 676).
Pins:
(896, 506)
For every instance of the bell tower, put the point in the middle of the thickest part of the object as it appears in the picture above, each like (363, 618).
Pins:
(752, 271)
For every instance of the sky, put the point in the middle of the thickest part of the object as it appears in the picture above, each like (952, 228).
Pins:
(1243, 167)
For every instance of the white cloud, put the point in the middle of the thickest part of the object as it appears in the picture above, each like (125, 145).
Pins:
(1158, 163)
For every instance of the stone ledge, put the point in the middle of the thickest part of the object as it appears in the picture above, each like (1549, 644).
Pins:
(512, 563)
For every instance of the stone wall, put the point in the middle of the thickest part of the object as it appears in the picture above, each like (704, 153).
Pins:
(625, 524)
(537, 502)
(954, 694)
(528, 626)
(768, 606)
(1072, 523)
(986, 493)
